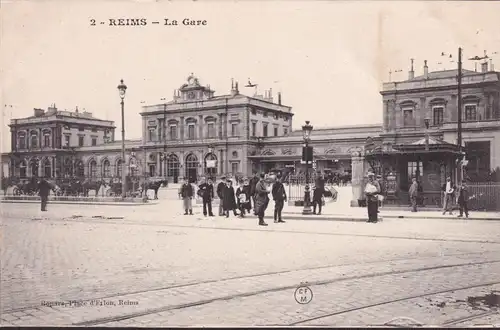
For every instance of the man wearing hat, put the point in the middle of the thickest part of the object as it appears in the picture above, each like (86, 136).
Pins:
(220, 194)
(372, 190)
(44, 187)
(413, 192)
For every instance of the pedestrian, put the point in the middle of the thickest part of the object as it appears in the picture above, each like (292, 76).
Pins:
(187, 196)
(44, 188)
(253, 182)
(463, 197)
(206, 192)
(243, 198)
(372, 190)
(228, 199)
(279, 197)
(318, 192)
(381, 196)
(220, 191)
(413, 192)
(448, 191)
(261, 199)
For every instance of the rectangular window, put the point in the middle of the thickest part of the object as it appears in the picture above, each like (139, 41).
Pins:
(438, 113)
(191, 135)
(275, 131)
(264, 129)
(264, 114)
(94, 141)
(152, 134)
(22, 142)
(94, 129)
(234, 168)
(254, 129)
(408, 118)
(470, 113)
(34, 141)
(234, 129)
(66, 140)
(173, 132)
(211, 130)
(46, 140)
(80, 141)
(285, 131)
(415, 170)
(81, 128)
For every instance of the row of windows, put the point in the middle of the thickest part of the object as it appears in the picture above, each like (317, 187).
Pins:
(265, 130)
(470, 114)
(22, 141)
(265, 114)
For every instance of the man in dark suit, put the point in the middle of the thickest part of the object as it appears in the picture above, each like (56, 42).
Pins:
(220, 193)
(44, 188)
(279, 196)
(463, 197)
(319, 190)
(206, 192)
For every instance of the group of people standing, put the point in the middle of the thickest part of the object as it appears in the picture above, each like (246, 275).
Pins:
(239, 202)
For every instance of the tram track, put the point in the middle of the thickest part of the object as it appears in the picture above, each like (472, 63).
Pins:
(190, 284)
(290, 287)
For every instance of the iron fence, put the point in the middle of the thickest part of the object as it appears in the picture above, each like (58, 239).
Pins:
(484, 196)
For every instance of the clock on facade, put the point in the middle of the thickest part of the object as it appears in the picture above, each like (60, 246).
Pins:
(190, 95)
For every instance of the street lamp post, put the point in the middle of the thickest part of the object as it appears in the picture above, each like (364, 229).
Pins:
(121, 89)
(306, 130)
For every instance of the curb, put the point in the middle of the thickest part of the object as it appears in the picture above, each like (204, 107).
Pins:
(357, 218)
(78, 203)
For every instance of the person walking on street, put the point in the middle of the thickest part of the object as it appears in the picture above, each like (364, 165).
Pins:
(463, 197)
(187, 196)
(319, 190)
(448, 192)
(261, 199)
(206, 192)
(228, 199)
(372, 190)
(243, 198)
(413, 192)
(253, 182)
(279, 196)
(44, 188)
(220, 191)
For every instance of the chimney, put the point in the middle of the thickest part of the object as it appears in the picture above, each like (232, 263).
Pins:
(484, 67)
(234, 88)
(52, 109)
(76, 110)
(38, 112)
(426, 70)
(492, 68)
(411, 73)
(270, 96)
(279, 98)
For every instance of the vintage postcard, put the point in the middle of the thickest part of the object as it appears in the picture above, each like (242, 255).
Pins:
(250, 163)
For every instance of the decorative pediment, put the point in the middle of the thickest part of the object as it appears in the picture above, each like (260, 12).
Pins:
(268, 152)
(438, 101)
(331, 150)
(471, 99)
(407, 104)
(287, 151)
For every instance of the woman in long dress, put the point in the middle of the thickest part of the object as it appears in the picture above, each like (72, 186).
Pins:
(229, 200)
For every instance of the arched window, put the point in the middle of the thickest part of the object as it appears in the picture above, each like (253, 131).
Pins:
(119, 164)
(93, 169)
(191, 167)
(34, 167)
(47, 168)
(68, 168)
(80, 170)
(173, 166)
(21, 141)
(22, 169)
(34, 140)
(46, 138)
(211, 164)
(106, 169)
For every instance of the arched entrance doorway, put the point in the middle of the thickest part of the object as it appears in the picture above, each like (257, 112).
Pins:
(173, 167)
(191, 167)
(93, 169)
(34, 167)
(47, 168)
(211, 166)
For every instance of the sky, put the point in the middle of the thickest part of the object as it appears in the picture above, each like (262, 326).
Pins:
(327, 58)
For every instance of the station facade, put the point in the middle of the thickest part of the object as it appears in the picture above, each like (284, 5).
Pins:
(198, 133)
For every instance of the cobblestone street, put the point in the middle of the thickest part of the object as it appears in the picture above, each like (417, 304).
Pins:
(152, 266)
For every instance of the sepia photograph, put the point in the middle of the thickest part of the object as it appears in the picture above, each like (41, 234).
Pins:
(226, 163)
